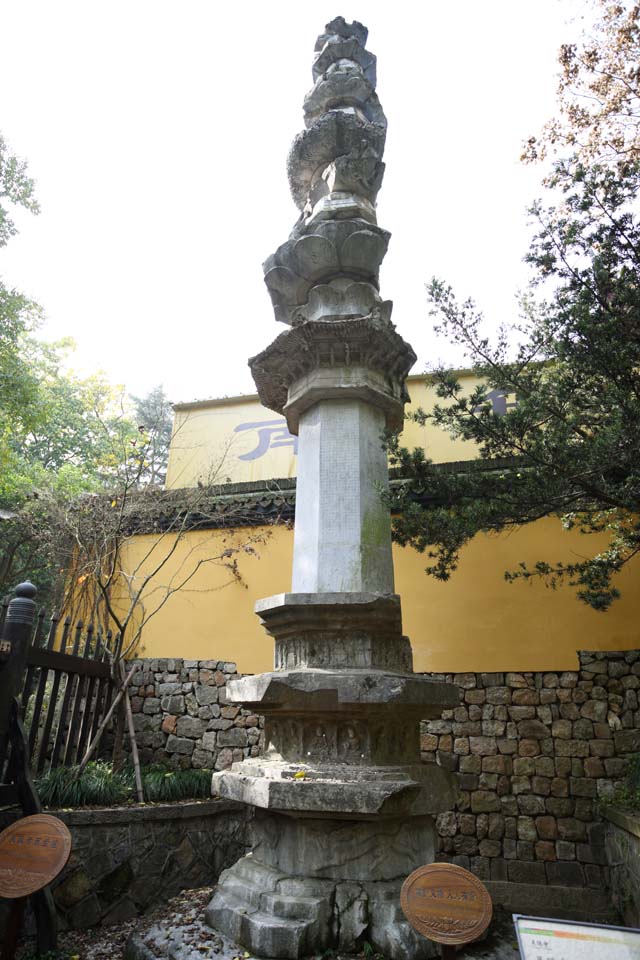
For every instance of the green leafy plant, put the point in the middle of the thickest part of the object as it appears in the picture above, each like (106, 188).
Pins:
(98, 785)
(627, 794)
(161, 784)
(555, 415)
(369, 952)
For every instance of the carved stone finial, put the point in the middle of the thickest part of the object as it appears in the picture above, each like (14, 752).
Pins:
(327, 272)
(340, 28)
(335, 170)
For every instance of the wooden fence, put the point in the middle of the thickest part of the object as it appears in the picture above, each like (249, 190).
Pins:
(67, 688)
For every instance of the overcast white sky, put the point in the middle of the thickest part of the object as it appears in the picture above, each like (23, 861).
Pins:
(158, 132)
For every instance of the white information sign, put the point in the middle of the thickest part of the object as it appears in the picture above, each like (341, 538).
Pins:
(541, 939)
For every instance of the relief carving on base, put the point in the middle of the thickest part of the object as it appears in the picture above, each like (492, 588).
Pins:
(318, 740)
(333, 650)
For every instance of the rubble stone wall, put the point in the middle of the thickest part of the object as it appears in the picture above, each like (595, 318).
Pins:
(533, 754)
(622, 843)
(182, 718)
(125, 860)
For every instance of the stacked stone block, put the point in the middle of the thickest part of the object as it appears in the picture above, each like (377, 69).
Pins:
(622, 843)
(182, 718)
(533, 754)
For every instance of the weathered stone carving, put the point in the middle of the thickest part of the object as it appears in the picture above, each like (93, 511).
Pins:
(351, 742)
(344, 41)
(360, 357)
(344, 807)
(321, 253)
(343, 86)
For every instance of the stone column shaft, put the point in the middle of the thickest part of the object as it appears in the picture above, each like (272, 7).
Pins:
(342, 538)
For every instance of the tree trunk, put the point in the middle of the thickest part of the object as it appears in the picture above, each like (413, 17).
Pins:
(132, 737)
(116, 701)
(117, 759)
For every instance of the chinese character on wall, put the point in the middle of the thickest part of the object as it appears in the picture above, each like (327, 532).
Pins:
(270, 434)
(500, 402)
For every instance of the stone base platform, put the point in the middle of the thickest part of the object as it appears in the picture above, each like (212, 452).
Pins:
(317, 884)
(276, 915)
(177, 930)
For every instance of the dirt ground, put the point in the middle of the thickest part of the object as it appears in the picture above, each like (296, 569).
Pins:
(176, 931)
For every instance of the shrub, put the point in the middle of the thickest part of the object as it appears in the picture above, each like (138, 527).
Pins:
(627, 794)
(98, 785)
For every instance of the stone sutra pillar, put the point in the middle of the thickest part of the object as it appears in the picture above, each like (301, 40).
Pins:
(343, 806)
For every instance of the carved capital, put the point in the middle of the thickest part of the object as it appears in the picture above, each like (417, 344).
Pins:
(368, 343)
(342, 383)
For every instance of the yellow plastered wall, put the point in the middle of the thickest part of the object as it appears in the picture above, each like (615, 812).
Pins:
(239, 440)
(220, 441)
(476, 621)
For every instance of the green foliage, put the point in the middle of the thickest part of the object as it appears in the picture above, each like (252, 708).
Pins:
(75, 443)
(154, 417)
(60, 435)
(567, 443)
(16, 190)
(627, 795)
(162, 785)
(369, 952)
(18, 314)
(99, 785)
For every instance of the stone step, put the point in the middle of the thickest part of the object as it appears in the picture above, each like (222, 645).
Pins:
(226, 913)
(257, 930)
(252, 884)
(293, 908)
(270, 936)
(243, 891)
(254, 872)
(305, 887)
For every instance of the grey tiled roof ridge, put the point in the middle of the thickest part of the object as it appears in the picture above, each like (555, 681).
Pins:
(284, 485)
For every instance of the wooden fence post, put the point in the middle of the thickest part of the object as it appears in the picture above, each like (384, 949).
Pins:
(17, 633)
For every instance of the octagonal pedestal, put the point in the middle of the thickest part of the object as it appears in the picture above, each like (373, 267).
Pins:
(312, 885)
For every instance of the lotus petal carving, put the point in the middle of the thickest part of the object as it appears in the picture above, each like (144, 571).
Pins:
(341, 299)
(362, 249)
(351, 247)
(315, 256)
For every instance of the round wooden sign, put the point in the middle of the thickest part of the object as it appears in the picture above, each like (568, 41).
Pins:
(446, 903)
(32, 852)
